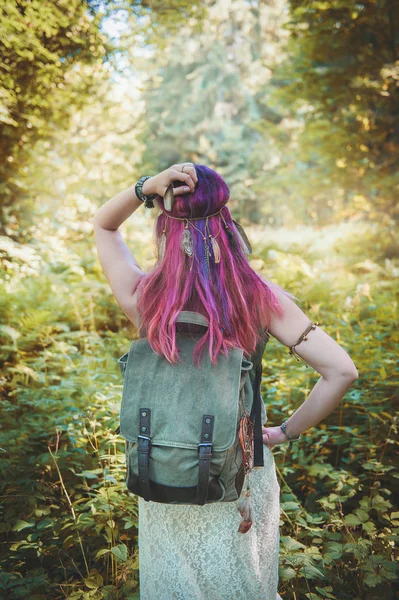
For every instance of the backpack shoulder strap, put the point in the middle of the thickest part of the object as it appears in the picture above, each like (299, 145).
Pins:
(189, 316)
(256, 414)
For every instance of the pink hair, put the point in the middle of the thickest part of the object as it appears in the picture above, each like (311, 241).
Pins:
(235, 299)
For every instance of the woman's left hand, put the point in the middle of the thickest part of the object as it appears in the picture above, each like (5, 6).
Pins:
(184, 172)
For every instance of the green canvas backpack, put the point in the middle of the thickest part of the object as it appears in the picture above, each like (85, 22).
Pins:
(181, 422)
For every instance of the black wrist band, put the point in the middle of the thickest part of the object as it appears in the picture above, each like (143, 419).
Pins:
(138, 188)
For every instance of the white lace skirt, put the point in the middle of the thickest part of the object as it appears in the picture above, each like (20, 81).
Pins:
(189, 552)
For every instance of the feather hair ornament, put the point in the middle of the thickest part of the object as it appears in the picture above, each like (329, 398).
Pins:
(229, 233)
(186, 242)
(162, 243)
(242, 236)
(216, 250)
(206, 253)
(214, 244)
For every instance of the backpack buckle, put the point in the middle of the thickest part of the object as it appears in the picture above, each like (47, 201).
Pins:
(205, 449)
(144, 443)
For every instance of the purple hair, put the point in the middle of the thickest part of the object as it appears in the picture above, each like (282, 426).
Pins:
(235, 299)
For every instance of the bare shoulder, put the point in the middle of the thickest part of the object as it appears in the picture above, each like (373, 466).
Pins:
(291, 312)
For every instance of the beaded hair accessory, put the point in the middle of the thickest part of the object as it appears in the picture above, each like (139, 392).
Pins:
(187, 245)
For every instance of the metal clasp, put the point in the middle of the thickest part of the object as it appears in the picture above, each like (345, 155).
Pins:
(204, 453)
(145, 445)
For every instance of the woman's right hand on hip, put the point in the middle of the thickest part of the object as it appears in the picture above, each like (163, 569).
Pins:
(272, 436)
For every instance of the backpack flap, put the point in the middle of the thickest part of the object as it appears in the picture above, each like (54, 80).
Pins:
(179, 395)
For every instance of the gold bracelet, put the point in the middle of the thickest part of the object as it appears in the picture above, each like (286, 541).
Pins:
(302, 338)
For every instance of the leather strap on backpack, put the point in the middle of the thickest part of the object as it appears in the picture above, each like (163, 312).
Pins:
(205, 455)
(144, 446)
(257, 415)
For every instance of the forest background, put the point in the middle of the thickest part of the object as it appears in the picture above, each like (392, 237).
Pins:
(296, 105)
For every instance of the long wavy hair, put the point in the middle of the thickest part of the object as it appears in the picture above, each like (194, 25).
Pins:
(235, 299)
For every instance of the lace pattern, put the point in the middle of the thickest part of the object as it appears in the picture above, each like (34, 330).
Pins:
(189, 552)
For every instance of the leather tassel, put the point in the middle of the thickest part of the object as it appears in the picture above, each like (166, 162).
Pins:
(245, 243)
(186, 242)
(245, 509)
(216, 249)
(246, 437)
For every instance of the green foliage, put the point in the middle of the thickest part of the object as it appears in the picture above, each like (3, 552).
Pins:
(69, 525)
(52, 55)
(340, 80)
(66, 515)
(338, 485)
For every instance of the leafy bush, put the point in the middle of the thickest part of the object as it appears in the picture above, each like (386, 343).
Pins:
(69, 526)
